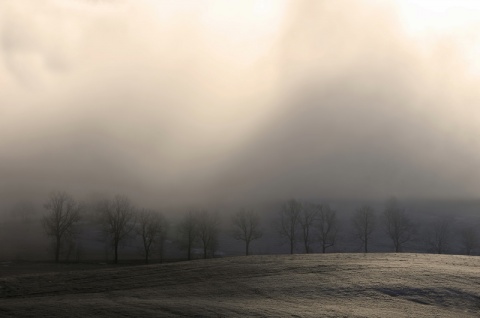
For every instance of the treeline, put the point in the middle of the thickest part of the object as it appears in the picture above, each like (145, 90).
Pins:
(305, 227)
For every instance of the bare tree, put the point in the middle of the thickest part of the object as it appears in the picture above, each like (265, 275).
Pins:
(246, 227)
(307, 220)
(327, 226)
(288, 223)
(397, 225)
(364, 222)
(470, 240)
(59, 223)
(208, 230)
(118, 219)
(151, 228)
(438, 235)
(188, 232)
(162, 235)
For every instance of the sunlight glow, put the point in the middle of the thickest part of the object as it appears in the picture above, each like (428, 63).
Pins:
(457, 21)
(239, 26)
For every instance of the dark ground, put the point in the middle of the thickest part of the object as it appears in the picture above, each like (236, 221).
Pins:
(332, 285)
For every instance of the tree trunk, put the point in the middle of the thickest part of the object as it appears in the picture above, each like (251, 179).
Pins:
(397, 247)
(247, 243)
(57, 249)
(161, 252)
(116, 253)
(291, 246)
(366, 244)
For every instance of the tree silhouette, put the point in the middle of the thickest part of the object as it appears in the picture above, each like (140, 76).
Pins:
(364, 222)
(397, 225)
(59, 223)
(151, 226)
(246, 227)
(470, 240)
(188, 232)
(289, 218)
(438, 234)
(118, 219)
(327, 226)
(307, 220)
(208, 230)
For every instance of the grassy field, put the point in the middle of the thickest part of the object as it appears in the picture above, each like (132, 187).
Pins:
(331, 285)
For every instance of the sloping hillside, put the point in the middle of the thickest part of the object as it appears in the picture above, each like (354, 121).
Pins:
(333, 285)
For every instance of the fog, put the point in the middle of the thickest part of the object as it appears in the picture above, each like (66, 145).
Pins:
(181, 107)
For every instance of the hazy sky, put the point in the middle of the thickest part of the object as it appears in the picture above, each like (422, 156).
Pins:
(206, 101)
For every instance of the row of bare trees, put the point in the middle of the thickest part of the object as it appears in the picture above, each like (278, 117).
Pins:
(59, 224)
(396, 223)
(120, 221)
(436, 235)
(308, 224)
(199, 227)
(118, 218)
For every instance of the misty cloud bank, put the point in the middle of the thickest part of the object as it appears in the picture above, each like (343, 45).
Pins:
(109, 97)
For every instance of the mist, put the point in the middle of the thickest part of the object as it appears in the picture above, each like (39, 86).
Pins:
(333, 100)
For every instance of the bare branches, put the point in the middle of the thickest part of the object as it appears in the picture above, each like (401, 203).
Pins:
(118, 220)
(152, 227)
(326, 226)
(470, 240)
(208, 229)
(162, 233)
(438, 235)
(397, 225)
(307, 220)
(59, 223)
(289, 218)
(188, 232)
(364, 223)
(246, 227)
